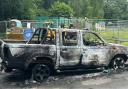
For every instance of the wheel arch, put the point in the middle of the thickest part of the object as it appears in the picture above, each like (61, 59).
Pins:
(41, 60)
(124, 56)
(121, 55)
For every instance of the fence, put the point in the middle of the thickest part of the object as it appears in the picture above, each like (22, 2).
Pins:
(18, 27)
(112, 30)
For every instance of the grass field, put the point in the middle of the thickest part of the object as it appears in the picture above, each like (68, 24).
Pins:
(120, 37)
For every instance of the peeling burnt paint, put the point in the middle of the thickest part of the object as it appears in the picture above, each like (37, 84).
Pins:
(21, 55)
(117, 49)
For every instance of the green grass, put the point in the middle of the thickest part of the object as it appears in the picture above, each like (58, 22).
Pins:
(108, 35)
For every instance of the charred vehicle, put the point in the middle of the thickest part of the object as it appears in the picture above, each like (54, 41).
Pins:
(61, 49)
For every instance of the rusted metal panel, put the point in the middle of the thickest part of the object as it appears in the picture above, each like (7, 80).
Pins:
(69, 56)
(24, 54)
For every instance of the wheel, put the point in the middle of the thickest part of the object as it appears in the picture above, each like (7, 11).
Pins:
(8, 70)
(118, 63)
(40, 72)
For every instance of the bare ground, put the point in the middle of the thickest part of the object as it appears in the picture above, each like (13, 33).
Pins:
(91, 79)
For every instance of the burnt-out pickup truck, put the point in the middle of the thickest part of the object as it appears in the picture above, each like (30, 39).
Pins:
(62, 49)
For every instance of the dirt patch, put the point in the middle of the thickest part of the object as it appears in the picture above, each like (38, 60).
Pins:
(97, 81)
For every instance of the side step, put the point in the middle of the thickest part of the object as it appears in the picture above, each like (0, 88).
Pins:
(80, 71)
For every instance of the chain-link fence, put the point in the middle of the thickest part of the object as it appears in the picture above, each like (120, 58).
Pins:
(14, 29)
(112, 30)
(115, 31)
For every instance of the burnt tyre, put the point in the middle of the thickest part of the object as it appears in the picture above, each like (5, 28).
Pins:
(2, 43)
(41, 72)
(118, 63)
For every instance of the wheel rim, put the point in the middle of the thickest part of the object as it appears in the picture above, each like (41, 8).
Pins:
(118, 63)
(41, 73)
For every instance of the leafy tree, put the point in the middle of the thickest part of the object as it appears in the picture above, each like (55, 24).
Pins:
(43, 6)
(79, 6)
(20, 9)
(47, 3)
(87, 8)
(29, 9)
(116, 9)
(95, 9)
(60, 9)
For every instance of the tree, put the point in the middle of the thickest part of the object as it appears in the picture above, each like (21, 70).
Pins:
(29, 10)
(60, 9)
(116, 9)
(43, 6)
(79, 6)
(19, 9)
(95, 9)
(87, 8)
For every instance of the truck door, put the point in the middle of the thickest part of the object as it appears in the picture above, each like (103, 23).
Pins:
(69, 48)
(94, 50)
